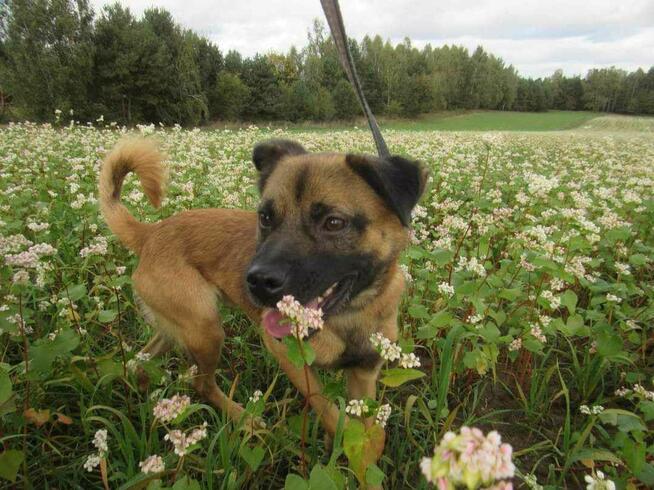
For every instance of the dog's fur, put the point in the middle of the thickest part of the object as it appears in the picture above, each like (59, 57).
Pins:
(189, 260)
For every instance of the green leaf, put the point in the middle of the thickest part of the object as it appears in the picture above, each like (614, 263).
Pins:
(295, 482)
(45, 351)
(442, 257)
(638, 259)
(608, 344)
(490, 332)
(569, 300)
(647, 408)
(418, 311)
(10, 462)
(596, 455)
(374, 476)
(397, 376)
(106, 316)
(440, 319)
(295, 350)
(186, 483)
(624, 420)
(321, 480)
(362, 447)
(646, 474)
(252, 456)
(76, 292)
(511, 294)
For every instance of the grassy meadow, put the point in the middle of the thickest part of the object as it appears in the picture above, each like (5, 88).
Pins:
(529, 303)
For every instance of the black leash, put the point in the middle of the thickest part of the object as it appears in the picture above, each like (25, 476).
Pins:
(335, 21)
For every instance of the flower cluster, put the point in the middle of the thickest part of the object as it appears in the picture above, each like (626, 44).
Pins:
(387, 349)
(408, 361)
(471, 459)
(256, 396)
(383, 414)
(599, 482)
(594, 410)
(357, 408)
(168, 409)
(303, 319)
(100, 443)
(152, 464)
(183, 441)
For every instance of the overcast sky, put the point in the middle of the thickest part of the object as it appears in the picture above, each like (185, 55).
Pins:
(536, 36)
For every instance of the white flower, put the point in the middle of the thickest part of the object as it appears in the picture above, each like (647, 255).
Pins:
(357, 408)
(554, 301)
(143, 356)
(303, 319)
(181, 441)
(623, 269)
(387, 349)
(595, 410)
(470, 459)
(92, 462)
(409, 361)
(383, 413)
(152, 464)
(446, 290)
(474, 319)
(21, 277)
(516, 344)
(169, 409)
(613, 298)
(256, 396)
(100, 441)
(622, 391)
(598, 482)
(537, 333)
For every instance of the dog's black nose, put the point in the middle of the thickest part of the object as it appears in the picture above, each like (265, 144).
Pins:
(266, 283)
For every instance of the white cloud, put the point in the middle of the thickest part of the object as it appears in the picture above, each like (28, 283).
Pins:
(535, 36)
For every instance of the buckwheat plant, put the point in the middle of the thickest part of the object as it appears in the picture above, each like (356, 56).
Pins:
(470, 460)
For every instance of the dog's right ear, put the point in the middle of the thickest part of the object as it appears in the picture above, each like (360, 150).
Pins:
(267, 154)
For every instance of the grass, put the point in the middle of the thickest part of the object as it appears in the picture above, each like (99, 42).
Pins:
(495, 121)
(456, 121)
(530, 305)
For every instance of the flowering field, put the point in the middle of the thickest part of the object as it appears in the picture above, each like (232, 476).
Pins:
(529, 307)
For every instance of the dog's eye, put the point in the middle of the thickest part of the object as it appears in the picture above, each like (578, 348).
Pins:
(334, 223)
(265, 219)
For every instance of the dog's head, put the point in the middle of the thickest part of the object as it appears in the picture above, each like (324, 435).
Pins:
(330, 225)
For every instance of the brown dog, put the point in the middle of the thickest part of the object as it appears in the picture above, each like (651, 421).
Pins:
(324, 220)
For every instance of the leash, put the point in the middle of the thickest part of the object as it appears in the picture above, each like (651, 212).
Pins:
(335, 21)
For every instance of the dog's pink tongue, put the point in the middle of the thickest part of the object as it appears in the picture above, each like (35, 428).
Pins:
(271, 322)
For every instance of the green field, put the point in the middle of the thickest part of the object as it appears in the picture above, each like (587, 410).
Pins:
(470, 121)
(529, 304)
(495, 121)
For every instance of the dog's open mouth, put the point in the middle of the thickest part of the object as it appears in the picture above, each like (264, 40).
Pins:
(330, 301)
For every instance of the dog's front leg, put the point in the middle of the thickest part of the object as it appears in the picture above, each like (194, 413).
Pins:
(306, 381)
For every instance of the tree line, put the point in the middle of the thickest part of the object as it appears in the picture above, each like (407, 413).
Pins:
(58, 55)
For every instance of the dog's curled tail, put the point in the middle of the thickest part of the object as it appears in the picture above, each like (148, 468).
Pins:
(142, 157)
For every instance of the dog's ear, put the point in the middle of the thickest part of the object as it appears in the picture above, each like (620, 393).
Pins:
(398, 181)
(267, 154)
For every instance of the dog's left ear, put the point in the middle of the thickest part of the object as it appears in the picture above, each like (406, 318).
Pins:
(267, 154)
(398, 181)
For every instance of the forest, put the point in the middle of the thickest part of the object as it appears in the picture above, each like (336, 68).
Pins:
(59, 57)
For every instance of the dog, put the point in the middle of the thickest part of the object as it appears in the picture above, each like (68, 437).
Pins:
(329, 231)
